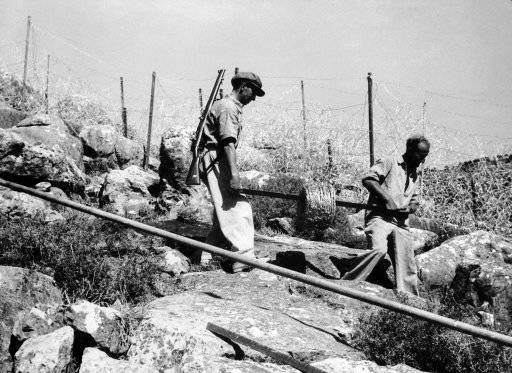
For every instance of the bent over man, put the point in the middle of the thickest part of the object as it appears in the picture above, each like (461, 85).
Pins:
(392, 186)
(233, 226)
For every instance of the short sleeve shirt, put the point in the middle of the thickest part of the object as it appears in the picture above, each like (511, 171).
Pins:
(394, 178)
(223, 122)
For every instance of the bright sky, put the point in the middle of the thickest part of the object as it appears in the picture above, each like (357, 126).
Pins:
(454, 55)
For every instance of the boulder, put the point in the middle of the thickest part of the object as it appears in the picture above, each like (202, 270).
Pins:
(10, 117)
(175, 156)
(15, 204)
(259, 305)
(99, 141)
(129, 152)
(477, 267)
(173, 261)
(129, 191)
(43, 129)
(46, 353)
(221, 365)
(96, 361)
(22, 160)
(32, 323)
(103, 324)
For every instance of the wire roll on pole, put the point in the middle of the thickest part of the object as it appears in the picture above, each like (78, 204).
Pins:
(316, 206)
(310, 280)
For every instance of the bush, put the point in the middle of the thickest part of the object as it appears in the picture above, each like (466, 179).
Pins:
(391, 338)
(18, 97)
(90, 258)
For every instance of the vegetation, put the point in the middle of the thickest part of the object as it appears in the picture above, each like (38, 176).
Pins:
(90, 259)
(18, 97)
(390, 338)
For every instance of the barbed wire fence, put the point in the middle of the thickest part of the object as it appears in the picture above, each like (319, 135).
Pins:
(328, 142)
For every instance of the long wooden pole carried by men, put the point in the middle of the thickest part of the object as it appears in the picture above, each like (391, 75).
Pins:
(27, 41)
(150, 124)
(370, 118)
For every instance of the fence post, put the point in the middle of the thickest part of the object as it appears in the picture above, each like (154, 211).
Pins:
(29, 23)
(47, 81)
(236, 70)
(124, 117)
(370, 118)
(148, 146)
(329, 155)
(200, 101)
(303, 111)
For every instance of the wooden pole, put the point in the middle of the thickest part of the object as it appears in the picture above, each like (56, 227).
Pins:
(364, 296)
(236, 70)
(423, 115)
(148, 146)
(303, 111)
(123, 110)
(221, 93)
(47, 83)
(29, 23)
(200, 101)
(370, 119)
(329, 155)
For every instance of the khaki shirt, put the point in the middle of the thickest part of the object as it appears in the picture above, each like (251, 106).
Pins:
(394, 178)
(223, 122)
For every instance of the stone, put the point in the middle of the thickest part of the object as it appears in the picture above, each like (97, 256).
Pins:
(282, 225)
(16, 204)
(129, 152)
(100, 165)
(175, 156)
(10, 117)
(32, 162)
(46, 353)
(99, 141)
(93, 186)
(128, 192)
(96, 361)
(341, 365)
(23, 289)
(31, 323)
(475, 267)
(42, 129)
(173, 261)
(443, 230)
(104, 324)
(255, 304)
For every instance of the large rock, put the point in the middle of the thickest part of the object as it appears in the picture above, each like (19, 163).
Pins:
(31, 323)
(222, 365)
(10, 117)
(129, 191)
(257, 304)
(99, 141)
(478, 267)
(49, 353)
(43, 129)
(105, 325)
(96, 361)
(32, 163)
(175, 156)
(340, 365)
(129, 152)
(22, 289)
(78, 112)
(15, 204)
(173, 261)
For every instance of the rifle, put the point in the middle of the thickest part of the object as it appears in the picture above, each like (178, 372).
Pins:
(193, 172)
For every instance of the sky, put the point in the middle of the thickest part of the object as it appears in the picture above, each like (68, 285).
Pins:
(452, 55)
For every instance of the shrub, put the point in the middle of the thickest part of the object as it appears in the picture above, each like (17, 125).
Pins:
(391, 338)
(90, 258)
(19, 97)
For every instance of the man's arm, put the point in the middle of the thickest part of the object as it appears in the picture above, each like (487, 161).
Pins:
(228, 146)
(375, 189)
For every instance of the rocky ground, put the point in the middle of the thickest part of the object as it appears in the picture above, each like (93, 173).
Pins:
(41, 330)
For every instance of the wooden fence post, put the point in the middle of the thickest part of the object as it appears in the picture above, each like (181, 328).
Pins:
(148, 146)
(370, 119)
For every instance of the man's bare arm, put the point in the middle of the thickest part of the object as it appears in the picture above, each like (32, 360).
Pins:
(375, 189)
(234, 177)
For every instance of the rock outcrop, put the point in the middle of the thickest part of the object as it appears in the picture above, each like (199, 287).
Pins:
(175, 156)
(96, 361)
(99, 141)
(129, 152)
(15, 204)
(10, 117)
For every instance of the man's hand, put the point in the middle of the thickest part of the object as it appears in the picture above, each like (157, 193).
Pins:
(234, 184)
